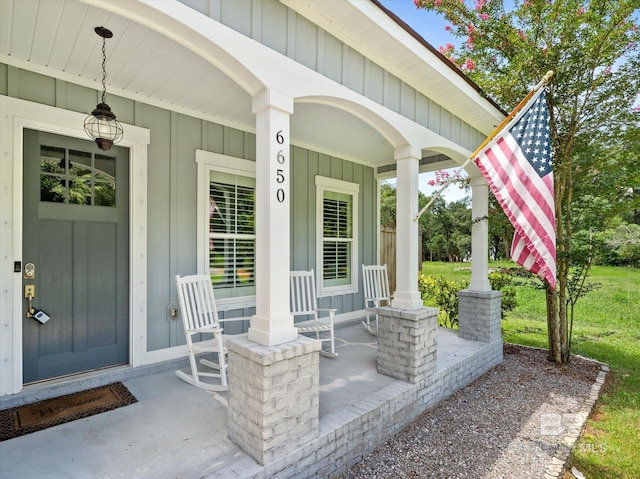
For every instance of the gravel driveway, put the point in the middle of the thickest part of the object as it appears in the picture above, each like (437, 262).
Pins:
(513, 422)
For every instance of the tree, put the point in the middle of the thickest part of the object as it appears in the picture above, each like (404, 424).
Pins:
(388, 205)
(592, 46)
(500, 230)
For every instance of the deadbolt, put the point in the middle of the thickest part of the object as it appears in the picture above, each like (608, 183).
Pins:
(29, 271)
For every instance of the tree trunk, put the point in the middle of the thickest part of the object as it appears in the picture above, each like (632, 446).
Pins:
(557, 320)
(563, 312)
(553, 327)
(507, 247)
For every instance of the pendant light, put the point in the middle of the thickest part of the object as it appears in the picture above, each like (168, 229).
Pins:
(101, 125)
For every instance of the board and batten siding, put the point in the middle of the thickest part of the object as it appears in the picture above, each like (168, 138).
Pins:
(285, 31)
(305, 166)
(172, 192)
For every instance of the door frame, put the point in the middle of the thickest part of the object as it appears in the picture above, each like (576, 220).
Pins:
(15, 116)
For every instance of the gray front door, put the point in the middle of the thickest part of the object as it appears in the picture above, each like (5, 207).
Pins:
(76, 237)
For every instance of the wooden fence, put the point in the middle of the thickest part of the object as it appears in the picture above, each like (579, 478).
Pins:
(388, 253)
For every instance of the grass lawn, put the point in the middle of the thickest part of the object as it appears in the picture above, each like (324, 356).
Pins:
(606, 328)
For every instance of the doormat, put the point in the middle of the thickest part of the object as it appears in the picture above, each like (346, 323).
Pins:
(29, 418)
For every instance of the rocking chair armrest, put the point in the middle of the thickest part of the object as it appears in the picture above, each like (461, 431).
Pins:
(377, 298)
(206, 330)
(244, 318)
(327, 309)
(331, 311)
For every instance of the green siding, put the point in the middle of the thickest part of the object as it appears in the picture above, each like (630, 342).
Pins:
(353, 68)
(306, 43)
(274, 27)
(3, 79)
(81, 99)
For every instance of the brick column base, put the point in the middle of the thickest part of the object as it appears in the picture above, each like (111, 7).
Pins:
(407, 343)
(273, 396)
(479, 315)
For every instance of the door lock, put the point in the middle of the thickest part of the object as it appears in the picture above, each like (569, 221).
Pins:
(29, 271)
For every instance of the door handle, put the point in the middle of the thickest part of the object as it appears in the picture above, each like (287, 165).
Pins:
(30, 293)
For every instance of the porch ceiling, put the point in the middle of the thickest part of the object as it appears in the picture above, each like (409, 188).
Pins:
(56, 38)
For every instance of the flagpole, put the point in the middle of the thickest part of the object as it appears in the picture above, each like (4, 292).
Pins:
(498, 129)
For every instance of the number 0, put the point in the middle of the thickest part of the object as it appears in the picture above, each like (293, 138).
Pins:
(280, 195)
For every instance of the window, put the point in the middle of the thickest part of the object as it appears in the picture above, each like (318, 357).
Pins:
(227, 203)
(232, 236)
(77, 177)
(337, 222)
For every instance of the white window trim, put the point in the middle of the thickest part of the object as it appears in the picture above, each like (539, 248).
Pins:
(208, 162)
(338, 186)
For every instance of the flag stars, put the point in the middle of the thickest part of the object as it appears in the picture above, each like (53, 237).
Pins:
(531, 132)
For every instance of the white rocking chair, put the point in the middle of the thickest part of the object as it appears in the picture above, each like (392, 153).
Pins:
(200, 316)
(376, 291)
(305, 303)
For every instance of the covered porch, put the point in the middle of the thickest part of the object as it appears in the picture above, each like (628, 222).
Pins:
(176, 430)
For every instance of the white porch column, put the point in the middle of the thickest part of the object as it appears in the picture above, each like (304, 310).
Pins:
(479, 235)
(407, 296)
(479, 307)
(272, 324)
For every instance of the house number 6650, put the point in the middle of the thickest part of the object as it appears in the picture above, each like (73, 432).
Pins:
(280, 158)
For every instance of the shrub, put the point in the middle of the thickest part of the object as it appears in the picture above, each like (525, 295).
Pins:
(503, 281)
(436, 291)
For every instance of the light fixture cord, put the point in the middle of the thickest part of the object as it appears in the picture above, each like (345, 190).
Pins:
(104, 68)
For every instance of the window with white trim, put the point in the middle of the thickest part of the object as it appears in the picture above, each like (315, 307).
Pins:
(227, 212)
(337, 226)
(232, 234)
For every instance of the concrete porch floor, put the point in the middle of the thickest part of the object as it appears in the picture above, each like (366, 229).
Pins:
(178, 431)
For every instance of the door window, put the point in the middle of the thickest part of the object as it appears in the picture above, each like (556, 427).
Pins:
(77, 177)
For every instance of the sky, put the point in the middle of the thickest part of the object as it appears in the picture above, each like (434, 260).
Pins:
(429, 25)
(431, 28)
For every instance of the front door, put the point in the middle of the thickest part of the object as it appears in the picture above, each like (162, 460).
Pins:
(76, 256)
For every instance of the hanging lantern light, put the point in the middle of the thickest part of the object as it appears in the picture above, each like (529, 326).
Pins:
(101, 125)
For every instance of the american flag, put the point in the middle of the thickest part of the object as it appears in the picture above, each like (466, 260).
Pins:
(517, 164)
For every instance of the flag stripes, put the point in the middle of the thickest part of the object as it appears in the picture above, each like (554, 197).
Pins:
(517, 166)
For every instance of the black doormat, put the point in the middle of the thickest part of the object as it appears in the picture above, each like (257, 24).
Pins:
(29, 418)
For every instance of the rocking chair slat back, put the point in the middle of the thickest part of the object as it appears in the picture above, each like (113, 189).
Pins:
(376, 282)
(303, 292)
(197, 302)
